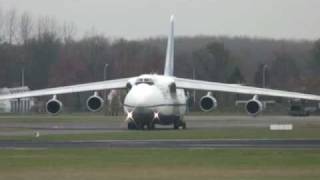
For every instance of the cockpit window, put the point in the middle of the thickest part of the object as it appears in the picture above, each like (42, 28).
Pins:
(145, 81)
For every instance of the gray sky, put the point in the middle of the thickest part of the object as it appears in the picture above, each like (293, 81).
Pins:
(299, 19)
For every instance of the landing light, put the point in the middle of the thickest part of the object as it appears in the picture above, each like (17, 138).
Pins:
(129, 116)
(156, 115)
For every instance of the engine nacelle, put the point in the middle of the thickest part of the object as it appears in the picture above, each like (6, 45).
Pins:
(95, 103)
(129, 86)
(208, 103)
(254, 107)
(54, 106)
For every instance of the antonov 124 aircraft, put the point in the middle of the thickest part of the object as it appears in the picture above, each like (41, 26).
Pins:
(159, 99)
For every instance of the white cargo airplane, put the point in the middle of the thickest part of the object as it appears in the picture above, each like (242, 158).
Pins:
(159, 99)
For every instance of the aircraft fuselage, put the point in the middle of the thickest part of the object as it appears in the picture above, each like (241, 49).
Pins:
(153, 99)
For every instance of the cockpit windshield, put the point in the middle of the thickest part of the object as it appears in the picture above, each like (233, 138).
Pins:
(148, 81)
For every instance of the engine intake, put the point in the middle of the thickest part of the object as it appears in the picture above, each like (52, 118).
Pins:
(208, 103)
(95, 103)
(254, 107)
(54, 106)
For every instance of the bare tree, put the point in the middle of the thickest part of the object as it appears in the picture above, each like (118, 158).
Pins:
(47, 26)
(11, 25)
(1, 24)
(26, 27)
(69, 31)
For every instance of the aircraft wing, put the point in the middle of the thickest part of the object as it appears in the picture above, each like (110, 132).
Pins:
(95, 86)
(239, 89)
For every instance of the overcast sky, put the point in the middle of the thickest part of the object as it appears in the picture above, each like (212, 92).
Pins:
(298, 19)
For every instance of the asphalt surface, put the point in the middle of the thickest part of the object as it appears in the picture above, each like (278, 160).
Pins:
(45, 127)
(189, 144)
(20, 127)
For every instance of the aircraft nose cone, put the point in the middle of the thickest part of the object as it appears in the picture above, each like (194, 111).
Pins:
(142, 95)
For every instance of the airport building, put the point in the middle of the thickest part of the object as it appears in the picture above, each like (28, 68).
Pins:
(22, 105)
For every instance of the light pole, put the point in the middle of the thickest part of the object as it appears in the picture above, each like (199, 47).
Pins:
(194, 77)
(264, 71)
(22, 77)
(105, 91)
(105, 71)
(20, 102)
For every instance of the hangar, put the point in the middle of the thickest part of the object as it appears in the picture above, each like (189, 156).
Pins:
(22, 105)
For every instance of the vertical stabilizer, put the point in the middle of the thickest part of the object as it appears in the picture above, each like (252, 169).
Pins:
(169, 66)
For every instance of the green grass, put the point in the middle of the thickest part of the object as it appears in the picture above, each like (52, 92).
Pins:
(159, 164)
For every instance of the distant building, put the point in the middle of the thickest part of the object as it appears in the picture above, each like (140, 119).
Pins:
(5, 106)
(22, 105)
(114, 102)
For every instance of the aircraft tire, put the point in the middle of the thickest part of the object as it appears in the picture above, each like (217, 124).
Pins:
(151, 126)
(184, 125)
(179, 124)
(132, 126)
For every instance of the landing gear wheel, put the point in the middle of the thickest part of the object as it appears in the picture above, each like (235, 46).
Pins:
(180, 125)
(132, 126)
(184, 125)
(151, 126)
(140, 126)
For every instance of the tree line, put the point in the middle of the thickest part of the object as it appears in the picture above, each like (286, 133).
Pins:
(52, 55)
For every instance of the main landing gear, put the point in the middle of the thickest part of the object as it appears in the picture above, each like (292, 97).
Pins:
(180, 124)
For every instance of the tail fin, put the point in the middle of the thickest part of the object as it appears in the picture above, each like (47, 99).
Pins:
(169, 66)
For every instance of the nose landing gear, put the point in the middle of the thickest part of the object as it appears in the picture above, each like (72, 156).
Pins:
(140, 126)
(140, 121)
(132, 125)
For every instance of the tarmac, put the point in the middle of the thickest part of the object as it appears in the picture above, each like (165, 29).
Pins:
(167, 144)
(8, 128)
(13, 128)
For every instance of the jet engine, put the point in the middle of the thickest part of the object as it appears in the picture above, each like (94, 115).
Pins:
(129, 86)
(95, 103)
(54, 106)
(254, 106)
(208, 103)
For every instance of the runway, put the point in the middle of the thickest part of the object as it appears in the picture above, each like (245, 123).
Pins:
(47, 125)
(177, 144)
(87, 124)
